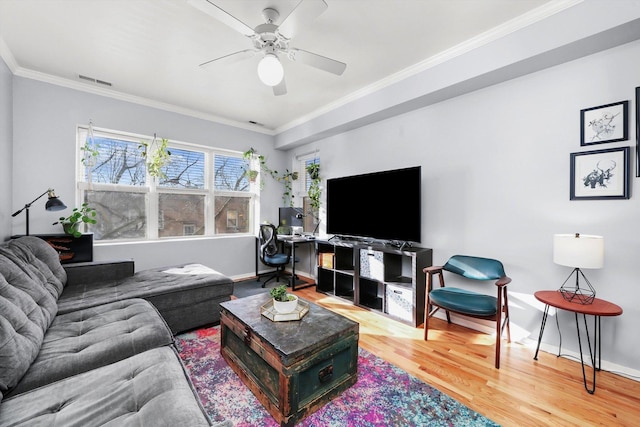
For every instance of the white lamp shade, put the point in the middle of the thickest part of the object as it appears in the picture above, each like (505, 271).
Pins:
(578, 250)
(270, 70)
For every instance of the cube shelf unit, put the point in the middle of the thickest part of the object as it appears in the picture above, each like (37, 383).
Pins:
(380, 278)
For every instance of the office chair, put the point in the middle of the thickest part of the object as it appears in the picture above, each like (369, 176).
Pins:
(269, 254)
(466, 302)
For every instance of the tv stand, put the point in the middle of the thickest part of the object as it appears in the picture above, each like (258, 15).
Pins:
(399, 244)
(376, 276)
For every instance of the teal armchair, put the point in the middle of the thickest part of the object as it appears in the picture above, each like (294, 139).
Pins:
(466, 302)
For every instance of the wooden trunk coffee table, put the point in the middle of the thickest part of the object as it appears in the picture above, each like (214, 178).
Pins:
(293, 367)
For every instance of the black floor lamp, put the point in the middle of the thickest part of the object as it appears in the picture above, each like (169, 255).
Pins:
(53, 204)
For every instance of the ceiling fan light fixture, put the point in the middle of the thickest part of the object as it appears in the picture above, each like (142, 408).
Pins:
(270, 70)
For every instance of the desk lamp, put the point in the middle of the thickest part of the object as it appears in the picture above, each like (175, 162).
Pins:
(53, 204)
(578, 251)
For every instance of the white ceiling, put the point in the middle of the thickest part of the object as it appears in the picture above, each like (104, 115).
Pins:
(149, 50)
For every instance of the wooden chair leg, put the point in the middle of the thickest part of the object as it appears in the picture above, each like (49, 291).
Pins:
(498, 340)
(426, 318)
(506, 315)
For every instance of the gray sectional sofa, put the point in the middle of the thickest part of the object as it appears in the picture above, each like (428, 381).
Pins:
(92, 344)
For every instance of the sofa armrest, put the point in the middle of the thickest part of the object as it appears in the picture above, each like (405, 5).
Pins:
(98, 271)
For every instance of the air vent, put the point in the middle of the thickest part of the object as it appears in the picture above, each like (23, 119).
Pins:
(92, 80)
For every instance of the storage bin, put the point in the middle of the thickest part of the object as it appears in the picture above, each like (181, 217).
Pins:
(372, 264)
(399, 302)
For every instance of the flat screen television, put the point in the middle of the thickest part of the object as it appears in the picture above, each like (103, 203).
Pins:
(382, 205)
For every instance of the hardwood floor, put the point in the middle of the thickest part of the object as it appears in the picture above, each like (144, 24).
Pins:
(523, 392)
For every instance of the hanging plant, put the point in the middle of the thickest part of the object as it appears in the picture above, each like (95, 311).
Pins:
(89, 154)
(89, 149)
(252, 171)
(156, 155)
(252, 174)
(313, 169)
(314, 192)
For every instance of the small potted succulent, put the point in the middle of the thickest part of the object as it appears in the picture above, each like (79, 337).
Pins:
(283, 302)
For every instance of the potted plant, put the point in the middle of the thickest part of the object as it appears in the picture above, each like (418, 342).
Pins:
(283, 302)
(314, 171)
(250, 170)
(252, 174)
(71, 223)
(89, 154)
(314, 192)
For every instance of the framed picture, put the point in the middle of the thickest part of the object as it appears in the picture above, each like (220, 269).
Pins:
(606, 123)
(638, 131)
(600, 174)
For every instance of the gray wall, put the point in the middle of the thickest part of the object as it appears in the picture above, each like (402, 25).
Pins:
(45, 117)
(6, 150)
(495, 183)
(495, 162)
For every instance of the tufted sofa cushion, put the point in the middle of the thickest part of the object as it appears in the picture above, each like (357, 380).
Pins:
(149, 389)
(31, 280)
(41, 259)
(82, 340)
(173, 295)
(21, 333)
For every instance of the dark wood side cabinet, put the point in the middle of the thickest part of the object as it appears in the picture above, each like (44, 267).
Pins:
(381, 278)
(69, 248)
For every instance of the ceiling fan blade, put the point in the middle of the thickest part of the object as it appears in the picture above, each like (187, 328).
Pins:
(280, 88)
(232, 58)
(317, 61)
(305, 12)
(211, 9)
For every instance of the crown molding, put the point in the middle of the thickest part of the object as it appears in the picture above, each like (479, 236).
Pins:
(121, 96)
(7, 56)
(493, 34)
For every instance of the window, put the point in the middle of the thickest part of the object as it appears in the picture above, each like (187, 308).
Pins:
(312, 215)
(200, 189)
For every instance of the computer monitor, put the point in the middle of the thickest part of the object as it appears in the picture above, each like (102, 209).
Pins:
(290, 217)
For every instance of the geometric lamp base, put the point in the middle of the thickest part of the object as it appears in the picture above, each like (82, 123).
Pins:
(576, 293)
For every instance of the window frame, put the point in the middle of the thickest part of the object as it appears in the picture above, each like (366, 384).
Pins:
(152, 190)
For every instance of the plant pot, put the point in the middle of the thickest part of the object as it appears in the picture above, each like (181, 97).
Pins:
(70, 228)
(253, 175)
(284, 307)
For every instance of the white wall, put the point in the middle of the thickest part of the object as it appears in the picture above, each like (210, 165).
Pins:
(45, 117)
(6, 129)
(495, 183)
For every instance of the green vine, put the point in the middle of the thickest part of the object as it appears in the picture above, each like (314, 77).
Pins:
(314, 191)
(285, 178)
(89, 153)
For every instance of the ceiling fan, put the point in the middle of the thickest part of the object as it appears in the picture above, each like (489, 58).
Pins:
(272, 41)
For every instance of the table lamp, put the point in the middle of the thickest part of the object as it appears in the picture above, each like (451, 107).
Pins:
(53, 204)
(578, 251)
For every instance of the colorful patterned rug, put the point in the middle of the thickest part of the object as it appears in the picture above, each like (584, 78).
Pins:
(383, 395)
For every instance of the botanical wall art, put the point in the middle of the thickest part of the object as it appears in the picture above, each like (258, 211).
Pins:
(606, 123)
(600, 174)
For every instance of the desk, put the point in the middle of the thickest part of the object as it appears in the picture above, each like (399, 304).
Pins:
(293, 241)
(598, 308)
